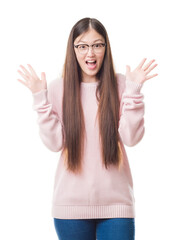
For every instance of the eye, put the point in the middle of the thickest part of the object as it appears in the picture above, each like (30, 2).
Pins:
(98, 45)
(82, 47)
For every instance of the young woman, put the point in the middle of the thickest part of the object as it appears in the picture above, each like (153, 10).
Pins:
(88, 115)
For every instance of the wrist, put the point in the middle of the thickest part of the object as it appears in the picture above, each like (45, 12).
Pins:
(133, 87)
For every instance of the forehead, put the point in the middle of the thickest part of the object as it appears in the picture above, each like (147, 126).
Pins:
(89, 37)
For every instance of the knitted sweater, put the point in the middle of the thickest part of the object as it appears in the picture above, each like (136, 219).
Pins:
(96, 192)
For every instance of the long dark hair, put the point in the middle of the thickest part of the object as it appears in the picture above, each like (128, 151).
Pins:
(106, 94)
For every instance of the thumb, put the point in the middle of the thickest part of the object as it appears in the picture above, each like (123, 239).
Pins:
(128, 69)
(43, 78)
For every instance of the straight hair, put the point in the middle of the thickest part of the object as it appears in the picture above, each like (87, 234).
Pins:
(108, 103)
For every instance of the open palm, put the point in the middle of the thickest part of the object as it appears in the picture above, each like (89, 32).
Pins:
(32, 81)
(140, 73)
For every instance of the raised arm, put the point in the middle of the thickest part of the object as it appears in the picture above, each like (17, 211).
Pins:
(50, 127)
(131, 124)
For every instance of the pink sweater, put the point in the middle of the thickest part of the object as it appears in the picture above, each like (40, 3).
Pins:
(97, 192)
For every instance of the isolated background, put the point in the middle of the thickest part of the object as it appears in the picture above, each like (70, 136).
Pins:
(36, 32)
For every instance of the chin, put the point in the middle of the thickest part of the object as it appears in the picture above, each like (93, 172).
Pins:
(91, 73)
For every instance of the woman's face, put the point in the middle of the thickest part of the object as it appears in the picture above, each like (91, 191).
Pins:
(91, 60)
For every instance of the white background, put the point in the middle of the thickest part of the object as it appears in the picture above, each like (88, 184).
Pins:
(36, 32)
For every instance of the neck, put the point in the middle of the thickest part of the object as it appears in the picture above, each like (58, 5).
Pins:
(89, 79)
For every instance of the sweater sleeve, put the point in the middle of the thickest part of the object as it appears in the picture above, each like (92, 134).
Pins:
(131, 123)
(50, 127)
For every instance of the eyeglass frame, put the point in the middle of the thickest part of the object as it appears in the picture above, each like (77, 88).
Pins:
(76, 46)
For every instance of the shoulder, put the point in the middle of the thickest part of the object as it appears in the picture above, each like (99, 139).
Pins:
(55, 86)
(55, 83)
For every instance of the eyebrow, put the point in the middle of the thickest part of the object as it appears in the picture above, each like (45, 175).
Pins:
(93, 41)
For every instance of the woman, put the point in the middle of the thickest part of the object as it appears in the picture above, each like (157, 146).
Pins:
(88, 115)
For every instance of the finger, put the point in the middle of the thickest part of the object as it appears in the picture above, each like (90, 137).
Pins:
(22, 82)
(151, 68)
(23, 75)
(141, 63)
(32, 71)
(25, 70)
(148, 77)
(147, 66)
(128, 69)
(43, 76)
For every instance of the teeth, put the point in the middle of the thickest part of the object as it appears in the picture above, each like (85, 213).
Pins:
(91, 61)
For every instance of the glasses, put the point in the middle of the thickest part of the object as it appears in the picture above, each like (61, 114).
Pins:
(84, 48)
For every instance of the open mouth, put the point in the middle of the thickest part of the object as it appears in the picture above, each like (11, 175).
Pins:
(91, 64)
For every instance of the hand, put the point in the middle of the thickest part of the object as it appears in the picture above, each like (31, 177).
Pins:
(32, 80)
(139, 75)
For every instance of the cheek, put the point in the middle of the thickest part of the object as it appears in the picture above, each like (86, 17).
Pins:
(80, 59)
(101, 58)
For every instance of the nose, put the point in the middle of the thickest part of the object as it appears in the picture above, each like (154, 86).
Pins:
(90, 51)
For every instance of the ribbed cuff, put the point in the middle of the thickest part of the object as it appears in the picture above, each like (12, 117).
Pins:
(133, 87)
(40, 98)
